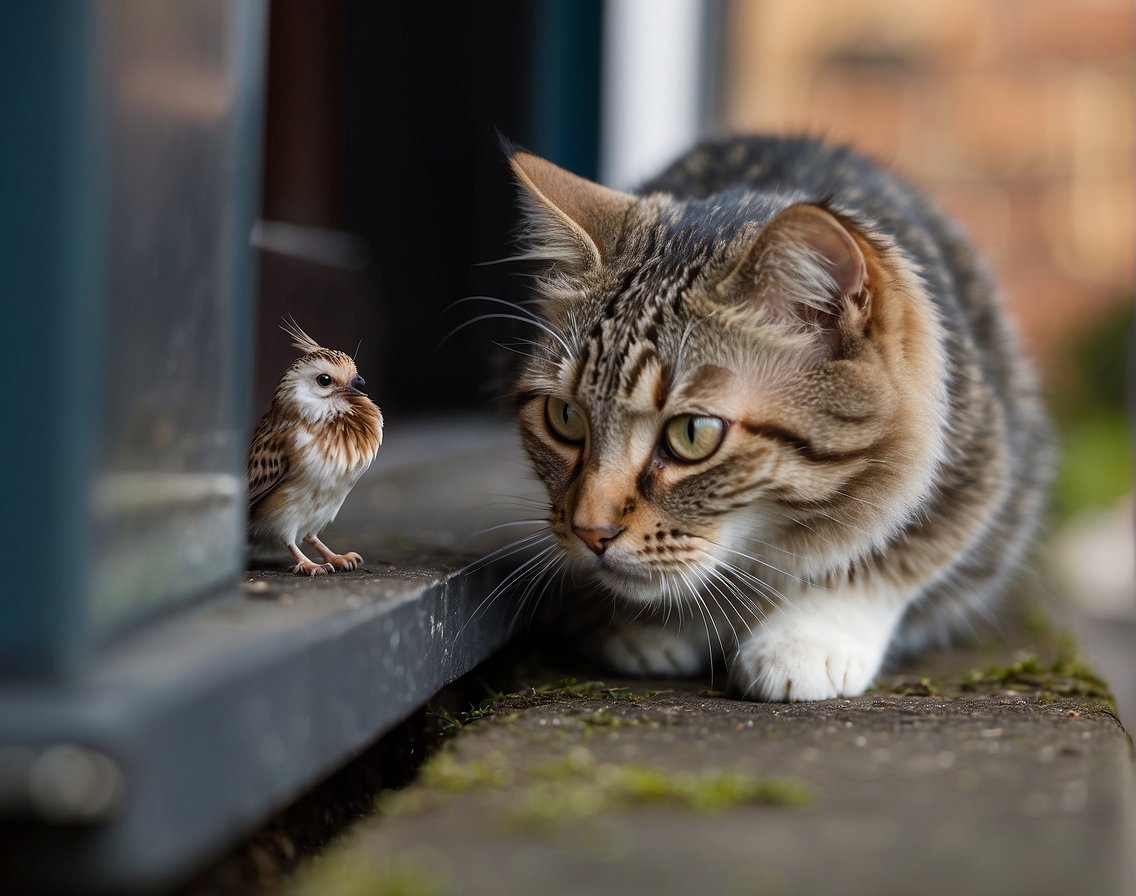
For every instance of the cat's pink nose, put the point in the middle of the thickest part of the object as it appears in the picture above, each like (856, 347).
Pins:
(597, 537)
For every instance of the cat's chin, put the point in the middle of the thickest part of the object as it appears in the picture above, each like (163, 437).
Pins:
(645, 588)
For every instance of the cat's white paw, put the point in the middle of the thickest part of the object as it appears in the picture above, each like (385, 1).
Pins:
(646, 650)
(795, 657)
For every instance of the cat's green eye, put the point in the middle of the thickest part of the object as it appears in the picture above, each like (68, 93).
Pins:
(694, 437)
(564, 421)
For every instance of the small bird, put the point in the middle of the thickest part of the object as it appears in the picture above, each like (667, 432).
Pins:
(318, 437)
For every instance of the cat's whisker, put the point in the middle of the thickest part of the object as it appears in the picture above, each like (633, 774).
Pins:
(508, 259)
(516, 574)
(736, 592)
(666, 607)
(470, 515)
(516, 306)
(525, 316)
(720, 566)
(538, 584)
(758, 560)
(675, 604)
(712, 581)
(753, 539)
(707, 617)
(523, 587)
(614, 613)
(522, 341)
(859, 500)
(515, 351)
(541, 531)
(502, 316)
(488, 529)
(516, 505)
(672, 601)
(823, 539)
(540, 577)
(526, 542)
(641, 609)
(518, 500)
(705, 625)
(513, 347)
(803, 525)
(510, 548)
(674, 592)
(763, 588)
(513, 577)
(833, 519)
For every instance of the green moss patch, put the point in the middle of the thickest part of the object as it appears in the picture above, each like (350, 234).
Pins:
(576, 786)
(570, 688)
(342, 874)
(915, 687)
(564, 690)
(1064, 676)
(1050, 669)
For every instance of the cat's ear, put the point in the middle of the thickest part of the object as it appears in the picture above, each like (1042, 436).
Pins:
(571, 219)
(805, 267)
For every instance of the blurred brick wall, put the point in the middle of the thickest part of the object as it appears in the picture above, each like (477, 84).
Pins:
(1015, 114)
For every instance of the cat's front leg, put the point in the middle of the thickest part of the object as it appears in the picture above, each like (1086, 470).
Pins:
(823, 644)
(649, 648)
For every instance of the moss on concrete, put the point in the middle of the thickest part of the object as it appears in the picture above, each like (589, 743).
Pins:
(1050, 670)
(570, 688)
(344, 873)
(915, 687)
(577, 785)
(1063, 676)
(576, 789)
(564, 690)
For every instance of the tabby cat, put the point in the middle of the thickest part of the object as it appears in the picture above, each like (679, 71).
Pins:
(779, 413)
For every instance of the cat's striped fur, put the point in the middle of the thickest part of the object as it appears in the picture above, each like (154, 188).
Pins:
(778, 401)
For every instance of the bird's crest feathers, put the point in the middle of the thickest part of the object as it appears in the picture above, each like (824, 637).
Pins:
(300, 339)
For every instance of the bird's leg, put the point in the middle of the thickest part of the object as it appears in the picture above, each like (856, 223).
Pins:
(305, 567)
(345, 562)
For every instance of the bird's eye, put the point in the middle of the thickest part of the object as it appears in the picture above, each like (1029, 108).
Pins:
(564, 421)
(693, 437)
(324, 380)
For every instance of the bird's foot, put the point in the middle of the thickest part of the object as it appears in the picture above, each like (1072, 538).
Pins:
(348, 562)
(307, 568)
(344, 562)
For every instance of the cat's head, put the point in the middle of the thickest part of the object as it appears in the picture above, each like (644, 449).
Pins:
(745, 385)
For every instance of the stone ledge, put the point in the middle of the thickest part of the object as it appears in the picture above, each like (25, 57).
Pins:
(993, 771)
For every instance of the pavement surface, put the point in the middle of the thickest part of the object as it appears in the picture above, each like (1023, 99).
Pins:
(1000, 770)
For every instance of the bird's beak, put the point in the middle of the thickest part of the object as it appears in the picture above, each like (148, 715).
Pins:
(352, 388)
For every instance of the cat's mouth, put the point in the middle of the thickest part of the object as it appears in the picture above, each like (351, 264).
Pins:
(629, 577)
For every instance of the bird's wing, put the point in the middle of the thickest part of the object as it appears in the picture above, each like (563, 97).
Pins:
(267, 462)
